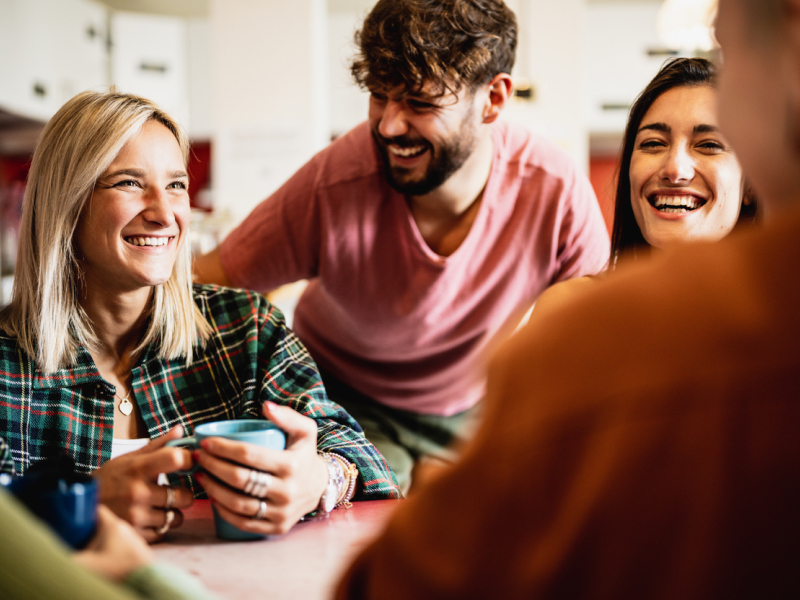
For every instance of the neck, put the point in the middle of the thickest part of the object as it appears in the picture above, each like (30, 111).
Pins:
(118, 319)
(456, 195)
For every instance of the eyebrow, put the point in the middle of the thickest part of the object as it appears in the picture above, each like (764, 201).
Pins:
(706, 129)
(140, 173)
(664, 128)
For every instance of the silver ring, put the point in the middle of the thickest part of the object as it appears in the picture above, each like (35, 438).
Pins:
(170, 497)
(168, 519)
(262, 510)
(251, 482)
(262, 485)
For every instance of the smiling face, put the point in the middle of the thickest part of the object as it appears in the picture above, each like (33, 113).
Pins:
(131, 228)
(423, 139)
(685, 180)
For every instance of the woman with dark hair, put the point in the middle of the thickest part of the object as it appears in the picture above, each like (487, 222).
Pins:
(659, 157)
(678, 178)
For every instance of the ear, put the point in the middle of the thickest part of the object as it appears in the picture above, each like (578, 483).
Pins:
(499, 89)
(791, 15)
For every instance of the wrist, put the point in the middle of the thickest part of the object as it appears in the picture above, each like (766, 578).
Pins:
(334, 484)
(350, 473)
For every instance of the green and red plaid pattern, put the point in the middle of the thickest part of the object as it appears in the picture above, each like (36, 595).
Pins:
(251, 357)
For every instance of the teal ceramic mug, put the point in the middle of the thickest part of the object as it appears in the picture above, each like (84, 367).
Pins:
(252, 431)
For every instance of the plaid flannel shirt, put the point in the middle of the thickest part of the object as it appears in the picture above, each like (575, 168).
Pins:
(250, 358)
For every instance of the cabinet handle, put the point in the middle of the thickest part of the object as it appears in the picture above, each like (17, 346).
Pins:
(658, 52)
(155, 68)
(615, 106)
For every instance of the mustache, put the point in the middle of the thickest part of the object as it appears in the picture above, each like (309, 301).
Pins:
(401, 141)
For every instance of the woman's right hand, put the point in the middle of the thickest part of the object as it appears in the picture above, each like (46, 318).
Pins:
(129, 486)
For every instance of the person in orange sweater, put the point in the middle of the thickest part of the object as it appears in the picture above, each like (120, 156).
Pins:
(643, 442)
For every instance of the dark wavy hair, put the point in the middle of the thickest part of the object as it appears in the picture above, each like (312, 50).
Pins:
(451, 43)
(626, 237)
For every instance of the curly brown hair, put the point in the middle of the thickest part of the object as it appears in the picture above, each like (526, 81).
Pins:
(450, 43)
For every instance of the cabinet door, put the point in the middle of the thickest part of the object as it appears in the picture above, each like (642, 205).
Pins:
(49, 51)
(149, 59)
(26, 72)
(619, 61)
(80, 44)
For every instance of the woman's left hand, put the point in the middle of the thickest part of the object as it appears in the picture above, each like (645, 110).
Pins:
(297, 475)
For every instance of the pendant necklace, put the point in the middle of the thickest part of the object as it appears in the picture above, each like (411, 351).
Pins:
(125, 406)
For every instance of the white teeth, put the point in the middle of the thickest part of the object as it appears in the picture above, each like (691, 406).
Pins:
(148, 241)
(675, 204)
(406, 152)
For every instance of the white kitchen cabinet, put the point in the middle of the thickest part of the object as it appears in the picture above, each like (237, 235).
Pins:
(621, 55)
(148, 58)
(49, 51)
(26, 74)
(81, 38)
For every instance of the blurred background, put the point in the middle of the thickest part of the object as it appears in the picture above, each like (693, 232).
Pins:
(261, 85)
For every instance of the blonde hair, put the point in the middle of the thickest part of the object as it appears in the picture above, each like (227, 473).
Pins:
(74, 150)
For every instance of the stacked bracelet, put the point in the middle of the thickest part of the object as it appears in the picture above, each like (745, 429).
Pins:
(350, 472)
(351, 487)
(336, 472)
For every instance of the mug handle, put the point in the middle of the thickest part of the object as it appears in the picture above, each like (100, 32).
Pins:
(189, 441)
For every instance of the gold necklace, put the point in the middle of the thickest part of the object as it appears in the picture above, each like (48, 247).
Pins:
(125, 406)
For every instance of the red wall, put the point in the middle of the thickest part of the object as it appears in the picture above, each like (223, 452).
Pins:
(602, 175)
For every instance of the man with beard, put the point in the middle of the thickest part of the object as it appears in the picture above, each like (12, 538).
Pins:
(426, 233)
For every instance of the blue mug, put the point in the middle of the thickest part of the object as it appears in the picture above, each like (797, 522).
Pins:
(252, 431)
(67, 503)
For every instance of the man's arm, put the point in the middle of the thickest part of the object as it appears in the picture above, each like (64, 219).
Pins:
(583, 239)
(207, 268)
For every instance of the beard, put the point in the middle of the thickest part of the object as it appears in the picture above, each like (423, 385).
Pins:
(444, 161)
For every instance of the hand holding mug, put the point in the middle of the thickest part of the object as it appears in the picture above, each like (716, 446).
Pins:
(264, 491)
(129, 486)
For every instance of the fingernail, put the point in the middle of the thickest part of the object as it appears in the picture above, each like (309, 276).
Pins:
(271, 405)
(204, 444)
(199, 476)
(195, 455)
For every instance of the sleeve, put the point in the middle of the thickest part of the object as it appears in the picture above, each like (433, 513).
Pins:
(164, 582)
(28, 549)
(6, 462)
(287, 375)
(583, 242)
(279, 241)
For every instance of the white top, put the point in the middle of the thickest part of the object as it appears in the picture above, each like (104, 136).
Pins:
(120, 447)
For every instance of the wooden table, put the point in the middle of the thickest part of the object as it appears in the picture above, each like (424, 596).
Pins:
(304, 564)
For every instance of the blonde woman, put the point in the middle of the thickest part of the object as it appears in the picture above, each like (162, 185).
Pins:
(107, 345)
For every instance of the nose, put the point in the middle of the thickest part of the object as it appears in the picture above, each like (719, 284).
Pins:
(393, 121)
(678, 166)
(159, 208)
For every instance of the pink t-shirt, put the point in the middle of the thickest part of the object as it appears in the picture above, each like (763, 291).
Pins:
(382, 311)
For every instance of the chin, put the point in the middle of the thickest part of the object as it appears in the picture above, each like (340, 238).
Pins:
(151, 282)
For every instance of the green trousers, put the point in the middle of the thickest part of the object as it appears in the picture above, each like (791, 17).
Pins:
(405, 438)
